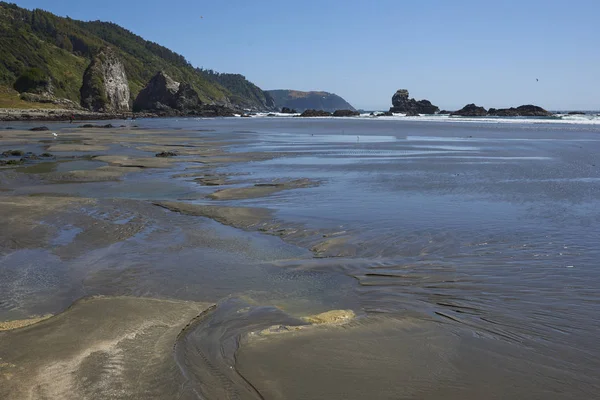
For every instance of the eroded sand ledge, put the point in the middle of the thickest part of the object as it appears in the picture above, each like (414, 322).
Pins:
(101, 347)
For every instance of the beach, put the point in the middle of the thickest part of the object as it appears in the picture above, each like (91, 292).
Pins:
(283, 258)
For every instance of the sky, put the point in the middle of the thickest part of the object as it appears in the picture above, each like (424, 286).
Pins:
(495, 54)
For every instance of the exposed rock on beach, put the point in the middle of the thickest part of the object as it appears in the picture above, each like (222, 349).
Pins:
(105, 86)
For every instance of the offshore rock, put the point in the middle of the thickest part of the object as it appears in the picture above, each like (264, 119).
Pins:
(471, 110)
(105, 86)
(286, 110)
(315, 113)
(401, 103)
(521, 111)
(345, 113)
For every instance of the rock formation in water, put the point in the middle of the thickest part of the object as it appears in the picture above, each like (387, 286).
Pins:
(471, 110)
(346, 113)
(315, 113)
(105, 86)
(521, 111)
(286, 110)
(401, 103)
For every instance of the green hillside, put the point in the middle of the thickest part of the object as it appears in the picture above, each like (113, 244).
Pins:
(301, 101)
(62, 49)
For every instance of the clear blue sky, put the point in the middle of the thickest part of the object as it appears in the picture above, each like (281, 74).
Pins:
(450, 52)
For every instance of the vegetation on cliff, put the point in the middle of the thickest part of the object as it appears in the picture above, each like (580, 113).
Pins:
(302, 101)
(61, 49)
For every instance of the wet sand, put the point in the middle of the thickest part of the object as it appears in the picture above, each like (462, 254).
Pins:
(260, 190)
(327, 312)
(114, 347)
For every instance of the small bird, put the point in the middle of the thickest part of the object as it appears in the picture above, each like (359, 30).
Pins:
(537, 80)
(54, 133)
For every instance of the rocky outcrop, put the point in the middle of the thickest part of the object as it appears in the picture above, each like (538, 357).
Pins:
(158, 95)
(445, 112)
(48, 98)
(412, 113)
(166, 97)
(521, 111)
(286, 110)
(186, 98)
(471, 110)
(401, 103)
(105, 86)
(345, 113)
(315, 113)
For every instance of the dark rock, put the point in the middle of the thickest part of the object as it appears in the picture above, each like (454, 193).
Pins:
(387, 114)
(40, 129)
(166, 154)
(521, 111)
(159, 94)
(286, 110)
(471, 110)
(412, 113)
(166, 98)
(12, 162)
(13, 153)
(345, 113)
(271, 115)
(576, 113)
(186, 98)
(401, 103)
(445, 112)
(107, 126)
(30, 156)
(315, 113)
(46, 155)
(105, 86)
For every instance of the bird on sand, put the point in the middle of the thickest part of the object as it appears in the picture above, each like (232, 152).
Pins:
(54, 134)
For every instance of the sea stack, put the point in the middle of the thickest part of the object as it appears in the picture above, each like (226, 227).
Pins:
(105, 86)
(401, 103)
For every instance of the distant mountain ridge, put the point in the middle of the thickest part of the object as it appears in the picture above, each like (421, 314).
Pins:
(60, 49)
(314, 100)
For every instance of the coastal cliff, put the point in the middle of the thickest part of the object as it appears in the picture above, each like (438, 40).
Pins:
(302, 101)
(51, 55)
